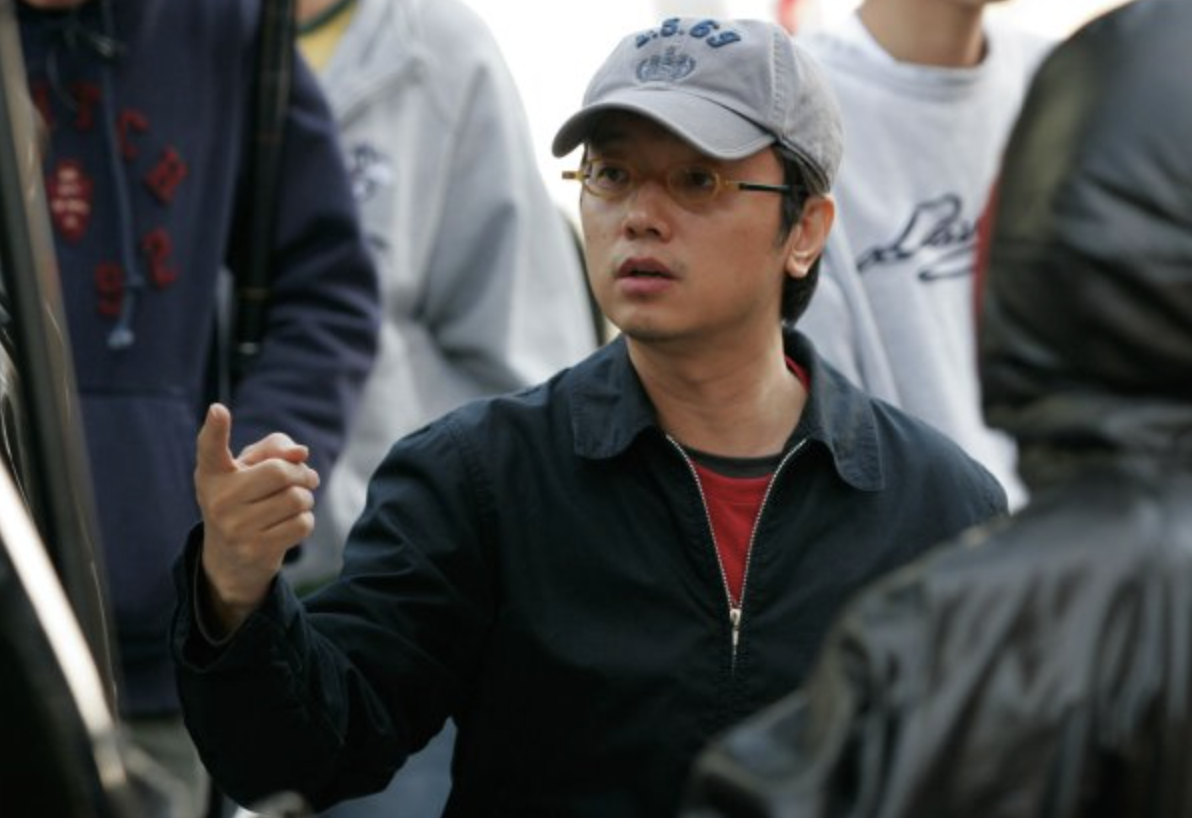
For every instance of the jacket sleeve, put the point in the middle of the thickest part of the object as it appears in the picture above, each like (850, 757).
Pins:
(328, 695)
(252, 703)
(322, 317)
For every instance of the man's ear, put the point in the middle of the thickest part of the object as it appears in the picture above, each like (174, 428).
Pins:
(808, 237)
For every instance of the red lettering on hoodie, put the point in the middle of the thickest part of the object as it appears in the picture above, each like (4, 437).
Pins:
(69, 190)
(109, 283)
(128, 123)
(87, 96)
(159, 249)
(165, 177)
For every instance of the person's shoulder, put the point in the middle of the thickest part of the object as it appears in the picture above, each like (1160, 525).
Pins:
(454, 49)
(863, 75)
(531, 420)
(454, 25)
(912, 431)
(840, 44)
(920, 452)
(1019, 49)
(909, 450)
(484, 417)
(439, 32)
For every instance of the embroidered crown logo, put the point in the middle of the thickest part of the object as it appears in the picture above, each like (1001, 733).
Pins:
(670, 66)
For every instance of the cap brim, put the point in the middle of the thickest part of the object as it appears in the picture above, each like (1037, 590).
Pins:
(709, 126)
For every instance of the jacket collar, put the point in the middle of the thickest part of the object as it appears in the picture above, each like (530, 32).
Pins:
(840, 416)
(610, 409)
(609, 405)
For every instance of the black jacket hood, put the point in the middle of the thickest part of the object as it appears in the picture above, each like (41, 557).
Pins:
(1086, 316)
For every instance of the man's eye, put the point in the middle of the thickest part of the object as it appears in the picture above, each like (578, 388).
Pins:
(696, 180)
(609, 175)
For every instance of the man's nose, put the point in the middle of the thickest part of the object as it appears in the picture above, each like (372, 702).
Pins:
(647, 208)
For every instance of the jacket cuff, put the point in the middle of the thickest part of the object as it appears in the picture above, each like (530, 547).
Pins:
(193, 641)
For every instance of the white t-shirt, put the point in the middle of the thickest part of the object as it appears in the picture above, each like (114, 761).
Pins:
(895, 305)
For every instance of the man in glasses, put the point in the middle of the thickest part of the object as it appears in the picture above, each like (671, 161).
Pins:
(595, 575)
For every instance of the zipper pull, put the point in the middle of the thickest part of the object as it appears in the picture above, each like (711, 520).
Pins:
(734, 616)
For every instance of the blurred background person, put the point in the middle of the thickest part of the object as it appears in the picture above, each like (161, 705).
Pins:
(148, 108)
(1044, 668)
(482, 286)
(928, 90)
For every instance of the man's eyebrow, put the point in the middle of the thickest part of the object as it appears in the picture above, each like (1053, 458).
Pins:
(603, 137)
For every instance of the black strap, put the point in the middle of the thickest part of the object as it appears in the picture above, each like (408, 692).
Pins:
(275, 65)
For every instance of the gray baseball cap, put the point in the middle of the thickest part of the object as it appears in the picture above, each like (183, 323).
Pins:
(729, 88)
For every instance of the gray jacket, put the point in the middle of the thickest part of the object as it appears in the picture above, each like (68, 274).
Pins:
(481, 280)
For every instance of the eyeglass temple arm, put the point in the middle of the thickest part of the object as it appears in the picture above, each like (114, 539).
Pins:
(759, 186)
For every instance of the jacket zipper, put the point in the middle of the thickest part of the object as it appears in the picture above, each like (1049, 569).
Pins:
(735, 612)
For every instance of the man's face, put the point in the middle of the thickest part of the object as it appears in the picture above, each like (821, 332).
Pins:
(662, 272)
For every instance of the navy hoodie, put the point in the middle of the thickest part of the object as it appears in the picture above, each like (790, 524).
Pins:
(148, 104)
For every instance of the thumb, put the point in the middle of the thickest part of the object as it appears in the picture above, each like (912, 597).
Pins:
(213, 451)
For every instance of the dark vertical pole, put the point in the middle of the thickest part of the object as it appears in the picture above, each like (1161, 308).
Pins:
(60, 494)
(273, 80)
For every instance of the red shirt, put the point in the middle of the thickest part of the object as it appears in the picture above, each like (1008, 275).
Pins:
(733, 505)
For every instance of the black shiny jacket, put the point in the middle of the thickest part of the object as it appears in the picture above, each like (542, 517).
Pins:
(1044, 669)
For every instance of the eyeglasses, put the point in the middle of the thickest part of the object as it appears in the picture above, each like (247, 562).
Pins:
(689, 185)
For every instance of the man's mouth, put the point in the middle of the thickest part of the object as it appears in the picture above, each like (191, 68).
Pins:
(643, 268)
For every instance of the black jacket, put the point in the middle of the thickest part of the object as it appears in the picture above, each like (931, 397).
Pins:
(1045, 669)
(540, 567)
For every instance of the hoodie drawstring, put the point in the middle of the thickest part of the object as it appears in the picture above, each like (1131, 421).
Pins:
(110, 50)
(122, 335)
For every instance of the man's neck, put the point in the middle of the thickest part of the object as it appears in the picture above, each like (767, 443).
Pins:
(927, 32)
(723, 404)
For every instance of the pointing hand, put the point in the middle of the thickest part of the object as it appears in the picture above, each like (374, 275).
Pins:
(255, 508)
